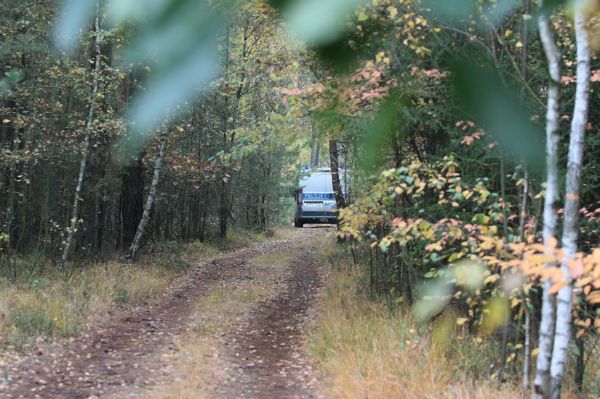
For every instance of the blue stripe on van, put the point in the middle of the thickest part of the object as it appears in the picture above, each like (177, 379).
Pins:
(319, 196)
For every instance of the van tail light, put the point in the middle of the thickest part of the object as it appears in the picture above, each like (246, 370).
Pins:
(299, 196)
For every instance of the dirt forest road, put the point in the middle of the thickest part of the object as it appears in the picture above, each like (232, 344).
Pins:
(231, 328)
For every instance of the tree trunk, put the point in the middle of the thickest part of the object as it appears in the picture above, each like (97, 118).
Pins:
(335, 174)
(86, 142)
(527, 322)
(150, 199)
(546, 337)
(132, 199)
(505, 328)
(564, 308)
(315, 148)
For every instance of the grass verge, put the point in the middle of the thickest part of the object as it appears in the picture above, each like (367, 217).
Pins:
(365, 350)
(39, 303)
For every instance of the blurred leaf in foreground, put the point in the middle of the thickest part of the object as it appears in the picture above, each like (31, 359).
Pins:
(317, 22)
(499, 111)
(176, 39)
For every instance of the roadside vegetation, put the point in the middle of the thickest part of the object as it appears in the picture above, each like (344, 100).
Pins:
(367, 347)
(42, 304)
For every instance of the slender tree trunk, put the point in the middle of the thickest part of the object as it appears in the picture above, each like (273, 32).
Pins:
(86, 142)
(131, 206)
(335, 174)
(527, 344)
(546, 335)
(150, 199)
(504, 340)
(315, 147)
(579, 364)
(527, 322)
(564, 308)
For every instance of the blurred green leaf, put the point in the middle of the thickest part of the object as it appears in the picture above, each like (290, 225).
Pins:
(177, 39)
(469, 274)
(317, 21)
(496, 314)
(180, 70)
(499, 111)
(73, 17)
(387, 127)
(549, 6)
(434, 297)
(461, 10)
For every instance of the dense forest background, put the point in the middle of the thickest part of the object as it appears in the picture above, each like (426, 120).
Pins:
(230, 158)
(444, 115)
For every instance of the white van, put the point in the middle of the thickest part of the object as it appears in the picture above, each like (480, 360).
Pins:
(315, 199)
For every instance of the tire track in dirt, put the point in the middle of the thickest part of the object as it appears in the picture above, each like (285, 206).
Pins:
(265, 358)
(120, 352)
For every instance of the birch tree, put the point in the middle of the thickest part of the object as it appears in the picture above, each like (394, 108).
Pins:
(564, 307)
(542, 376)
(150, 199)
(86, 142)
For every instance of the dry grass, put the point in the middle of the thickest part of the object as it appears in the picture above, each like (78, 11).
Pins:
(60, 305)
(37, 302)
(367, 351)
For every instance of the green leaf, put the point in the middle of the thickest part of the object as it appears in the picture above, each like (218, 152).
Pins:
(318, 21)
(460, 10)
(500, 111)
(73, 17)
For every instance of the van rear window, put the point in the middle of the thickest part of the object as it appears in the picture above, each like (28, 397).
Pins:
(319, 196)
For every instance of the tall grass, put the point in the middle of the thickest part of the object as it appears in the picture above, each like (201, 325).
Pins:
(366, 350)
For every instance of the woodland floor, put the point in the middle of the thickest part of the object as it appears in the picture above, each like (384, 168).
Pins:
(231, 328)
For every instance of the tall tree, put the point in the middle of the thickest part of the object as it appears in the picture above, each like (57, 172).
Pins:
(137, 239)
(86, 141)
(546, 335)
(564, 307)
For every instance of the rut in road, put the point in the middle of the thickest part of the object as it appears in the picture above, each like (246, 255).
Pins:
(121, 354)
(266, 356)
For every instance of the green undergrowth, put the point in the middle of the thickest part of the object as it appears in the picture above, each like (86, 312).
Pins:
(39, 302)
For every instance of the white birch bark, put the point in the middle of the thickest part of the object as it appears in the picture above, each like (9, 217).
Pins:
(86, 142)
(564, 308)
(150, 199)
(546, 335)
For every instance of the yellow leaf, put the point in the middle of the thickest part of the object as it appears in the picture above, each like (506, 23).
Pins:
(514, 302)
(491, 279)
(393, 11)
(362, 16)
(535, 352)
(461, 320)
